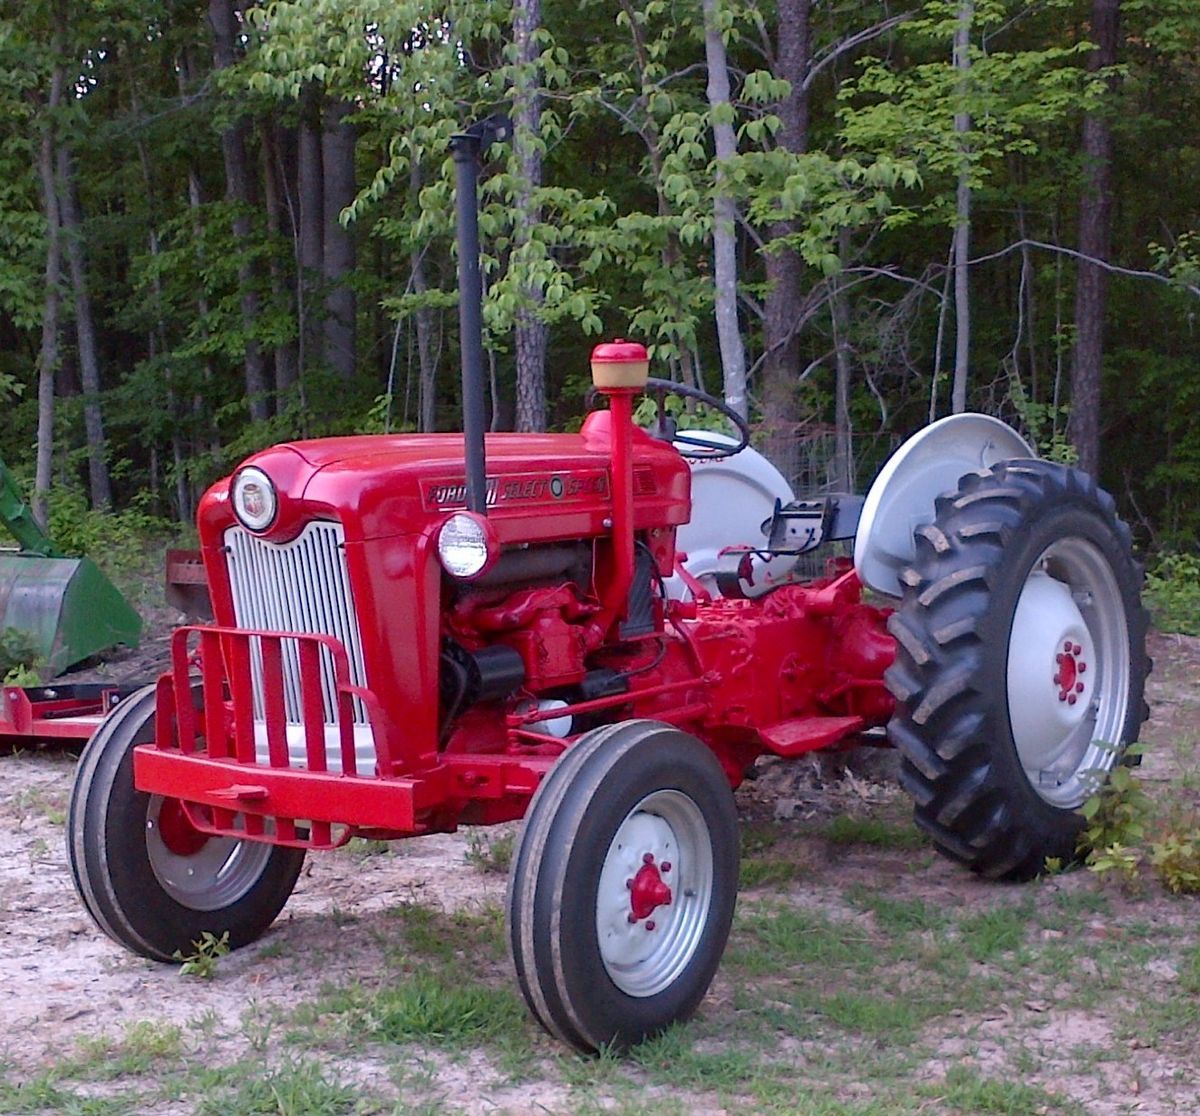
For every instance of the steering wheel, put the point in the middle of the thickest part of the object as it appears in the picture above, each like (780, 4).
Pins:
(665, 426)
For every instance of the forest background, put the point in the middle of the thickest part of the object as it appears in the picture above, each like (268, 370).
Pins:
(226, 224)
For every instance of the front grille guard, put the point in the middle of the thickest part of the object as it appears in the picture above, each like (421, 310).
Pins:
(222, 726)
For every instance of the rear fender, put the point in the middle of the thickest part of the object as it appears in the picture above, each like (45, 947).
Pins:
(902, 496)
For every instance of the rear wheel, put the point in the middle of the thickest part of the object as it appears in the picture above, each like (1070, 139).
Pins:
(151, 881)
(1020, 664)
(624, 883)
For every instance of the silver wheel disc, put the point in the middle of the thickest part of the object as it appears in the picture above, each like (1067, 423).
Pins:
(655, 891)
(1068, 672)
(216, 875)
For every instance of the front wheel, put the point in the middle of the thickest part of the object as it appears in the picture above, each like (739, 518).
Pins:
(149, 879)
(623, 887)
(1020, 664)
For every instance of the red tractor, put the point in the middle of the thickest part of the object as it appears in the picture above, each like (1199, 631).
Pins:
(418, 632)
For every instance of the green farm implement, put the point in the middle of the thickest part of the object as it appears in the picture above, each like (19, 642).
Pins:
(64, 608)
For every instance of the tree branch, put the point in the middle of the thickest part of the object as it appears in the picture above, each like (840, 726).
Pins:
(857, 39)
(1115, 269)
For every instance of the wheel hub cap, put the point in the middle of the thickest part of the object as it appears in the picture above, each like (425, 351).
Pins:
(1068, 672)
(1049, 643)
(647, 890)
(654, 893)
(199, 872)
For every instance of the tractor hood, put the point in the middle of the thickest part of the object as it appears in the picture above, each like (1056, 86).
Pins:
(540, 487)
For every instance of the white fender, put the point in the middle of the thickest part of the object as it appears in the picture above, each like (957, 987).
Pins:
(902, 496)
(731, 499)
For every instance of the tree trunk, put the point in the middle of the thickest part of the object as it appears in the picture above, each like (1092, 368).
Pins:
(426, 350)
(238, 191)
(733, 355)
(337, 162)
(281, 228)
(530, 338)
(203, 427)
(48, 356)
(652, 138)
(840, 310)
(310, 195)
(783, 267)
(85, 331)
(157, 342)
(962, 226)
(1095, 231)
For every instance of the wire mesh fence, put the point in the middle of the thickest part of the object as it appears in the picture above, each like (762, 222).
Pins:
(818, 461)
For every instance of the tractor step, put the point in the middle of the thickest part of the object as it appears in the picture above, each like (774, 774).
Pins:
(798, 735)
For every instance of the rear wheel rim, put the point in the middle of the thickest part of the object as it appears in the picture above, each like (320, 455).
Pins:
(1069, 672)
(663, 842)
(219, 873)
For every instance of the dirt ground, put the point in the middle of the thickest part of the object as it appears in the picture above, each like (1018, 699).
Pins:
(62, 981)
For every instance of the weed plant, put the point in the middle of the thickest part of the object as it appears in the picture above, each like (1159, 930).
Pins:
(1173, 593)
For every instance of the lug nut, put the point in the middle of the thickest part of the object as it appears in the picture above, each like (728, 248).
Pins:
(632, 917)
(650, 924)
(1077, 649)
(648, 858)
(665, 866)
(1067, 647)
(1079, 687)
(1071, 699)
(629, 883)
(1081, 667)
(1058, 679)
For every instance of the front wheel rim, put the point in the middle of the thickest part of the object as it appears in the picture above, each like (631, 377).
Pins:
(662, 848)
(1069, 672)
(216, 875)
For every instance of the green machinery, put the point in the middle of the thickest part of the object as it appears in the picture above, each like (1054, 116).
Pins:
(64, 607)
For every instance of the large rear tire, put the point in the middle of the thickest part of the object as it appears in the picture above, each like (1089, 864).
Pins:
(623, 886)
(1020, 664)
(151, 881)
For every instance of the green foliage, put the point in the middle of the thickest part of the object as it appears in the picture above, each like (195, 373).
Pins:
(616, 238)
(1115, 828)
(124, 543)
(1172, 593)
(1124, 835)
(207, 951)
(1045, 425)
(1176, 860)
(19, 660)
(490, 852)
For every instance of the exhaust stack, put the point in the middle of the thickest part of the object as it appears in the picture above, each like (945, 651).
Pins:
(467, 148)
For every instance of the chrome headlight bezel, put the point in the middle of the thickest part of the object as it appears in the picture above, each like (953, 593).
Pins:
(466, 545)
(254, 498)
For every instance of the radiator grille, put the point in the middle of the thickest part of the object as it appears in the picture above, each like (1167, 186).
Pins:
(298, 586)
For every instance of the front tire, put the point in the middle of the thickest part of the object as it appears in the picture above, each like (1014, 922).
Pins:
(152, 882)
(1020, 664)
(623, 886)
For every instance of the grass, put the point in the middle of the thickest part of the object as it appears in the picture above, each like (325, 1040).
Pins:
(490, 850)
(289, 1089)
(883, 833)
(849, 988)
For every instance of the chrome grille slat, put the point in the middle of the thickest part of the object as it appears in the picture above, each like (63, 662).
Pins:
(298, 586)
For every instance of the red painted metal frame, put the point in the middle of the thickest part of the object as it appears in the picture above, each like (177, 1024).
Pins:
(800, 670)
(392, 494)
(206, 756)
(50, 713)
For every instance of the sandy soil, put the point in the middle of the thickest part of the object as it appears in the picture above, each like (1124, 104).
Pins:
(61, 978)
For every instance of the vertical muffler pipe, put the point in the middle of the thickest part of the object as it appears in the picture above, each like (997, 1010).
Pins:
(466, 148)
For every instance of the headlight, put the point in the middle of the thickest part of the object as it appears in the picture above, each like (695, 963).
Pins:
(255, 502)
(466, 545)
